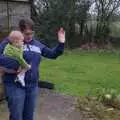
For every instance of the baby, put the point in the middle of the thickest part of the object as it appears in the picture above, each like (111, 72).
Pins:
(14, 49)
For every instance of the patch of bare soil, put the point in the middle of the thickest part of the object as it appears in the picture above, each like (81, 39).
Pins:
(95, 110)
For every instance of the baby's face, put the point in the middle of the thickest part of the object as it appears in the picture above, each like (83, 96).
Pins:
(17, 38)
(20, 42)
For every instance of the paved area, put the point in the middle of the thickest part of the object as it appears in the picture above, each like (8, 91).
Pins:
(50, 106)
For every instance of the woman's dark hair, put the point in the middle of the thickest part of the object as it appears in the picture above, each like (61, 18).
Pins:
(26, 24)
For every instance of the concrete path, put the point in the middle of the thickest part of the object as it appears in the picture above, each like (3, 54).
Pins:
(50, 106)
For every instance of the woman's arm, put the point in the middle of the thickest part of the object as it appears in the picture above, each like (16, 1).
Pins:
(3, 44)
(6, 70)
(8, 65)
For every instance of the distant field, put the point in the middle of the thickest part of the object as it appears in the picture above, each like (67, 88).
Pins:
(76, 73)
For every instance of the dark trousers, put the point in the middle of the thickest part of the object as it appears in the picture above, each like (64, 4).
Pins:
(21, 102)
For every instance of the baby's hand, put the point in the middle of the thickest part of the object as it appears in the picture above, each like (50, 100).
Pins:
(29, 67)
(19, 70)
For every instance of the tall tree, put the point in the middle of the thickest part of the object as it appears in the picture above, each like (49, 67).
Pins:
(105, 10)
(49, 15)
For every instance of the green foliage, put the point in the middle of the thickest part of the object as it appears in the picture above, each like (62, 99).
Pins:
(74, 16)
(50, 15)
(105, 94)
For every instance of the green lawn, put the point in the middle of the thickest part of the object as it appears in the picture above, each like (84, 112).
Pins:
(76, 73)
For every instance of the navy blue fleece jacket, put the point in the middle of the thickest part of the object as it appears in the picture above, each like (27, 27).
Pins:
(33, 51)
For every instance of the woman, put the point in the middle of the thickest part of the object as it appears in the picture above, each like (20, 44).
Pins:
(22, 100)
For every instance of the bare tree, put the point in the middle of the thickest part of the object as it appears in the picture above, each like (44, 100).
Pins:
(105, 10)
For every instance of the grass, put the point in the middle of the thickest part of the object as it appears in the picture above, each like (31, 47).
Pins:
(76, 73)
